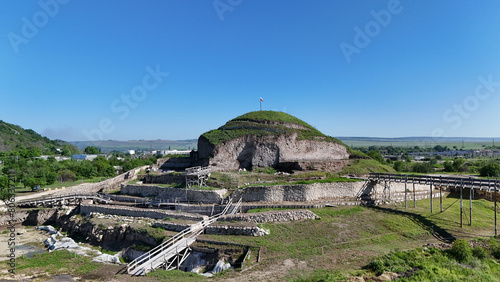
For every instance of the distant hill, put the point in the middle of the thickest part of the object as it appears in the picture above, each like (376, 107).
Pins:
(138, 145)
(12, 136)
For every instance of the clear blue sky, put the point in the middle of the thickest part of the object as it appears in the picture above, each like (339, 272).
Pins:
(349, 68)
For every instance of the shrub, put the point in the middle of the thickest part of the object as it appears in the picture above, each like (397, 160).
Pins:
(491, 169)
(269, 170)
(461, 251)
(494, 248)
(479, 252)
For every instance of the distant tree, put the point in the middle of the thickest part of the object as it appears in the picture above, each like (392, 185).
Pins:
(4, 187)
(66, 175)
(438, 157)
(399, 166)
(448, 166)
(490, 169)
(458, 164)
(439, 148)
(91, 150)
(407, 158)
(68, 150)
(424, 167)
(33, 152)
(50, 178)
(376, 156)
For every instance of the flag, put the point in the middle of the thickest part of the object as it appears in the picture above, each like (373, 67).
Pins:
(262, 100)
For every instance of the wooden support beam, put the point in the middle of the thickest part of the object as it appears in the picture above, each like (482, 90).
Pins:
(414, 198)
(470, 206)
(496, 196)
(440, 194)
(461, 204)
(431, 192)
(406, 181)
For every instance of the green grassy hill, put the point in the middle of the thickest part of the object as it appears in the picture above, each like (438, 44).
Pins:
(13, 137)
(261, 123)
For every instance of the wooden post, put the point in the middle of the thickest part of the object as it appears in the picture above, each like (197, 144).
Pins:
(406, 180)
(414, 198)
(496, 195)
(489, 188)
(470, 207)
(471, 187)
(431, 192)
(461, 203)
(441, 193)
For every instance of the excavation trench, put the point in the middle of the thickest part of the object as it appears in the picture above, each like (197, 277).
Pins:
(130, 237)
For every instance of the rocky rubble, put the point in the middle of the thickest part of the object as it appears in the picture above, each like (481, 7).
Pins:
(272, 216)
(237, 230)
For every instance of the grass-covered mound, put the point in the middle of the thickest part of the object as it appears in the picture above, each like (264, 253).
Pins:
(262, 123)
(366, 166)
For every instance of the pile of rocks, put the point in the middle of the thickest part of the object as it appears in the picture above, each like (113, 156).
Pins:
(237, 230)
(272, 216)
(138, 212)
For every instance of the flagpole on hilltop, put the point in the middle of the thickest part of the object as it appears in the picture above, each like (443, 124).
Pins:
(260, 101)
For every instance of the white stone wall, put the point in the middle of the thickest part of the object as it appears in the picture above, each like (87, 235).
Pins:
(108, 184)
(167, 193)
(137, 212)
(337, 191)
(321, 191)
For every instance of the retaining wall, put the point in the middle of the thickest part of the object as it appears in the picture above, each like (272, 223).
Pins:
(164, 178)
(137, 212)
(106, 185)
(172, 194)
(321, 191)
(338, 192)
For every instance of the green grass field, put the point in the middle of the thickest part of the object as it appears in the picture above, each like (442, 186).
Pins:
(355, 236)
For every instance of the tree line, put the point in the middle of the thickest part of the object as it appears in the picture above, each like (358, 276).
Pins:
(484, 168)
(23, 167)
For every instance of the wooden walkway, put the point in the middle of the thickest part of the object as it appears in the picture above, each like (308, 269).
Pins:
(172, 253)
(488, 187)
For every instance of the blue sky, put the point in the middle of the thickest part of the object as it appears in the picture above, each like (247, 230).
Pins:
(80, 70)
